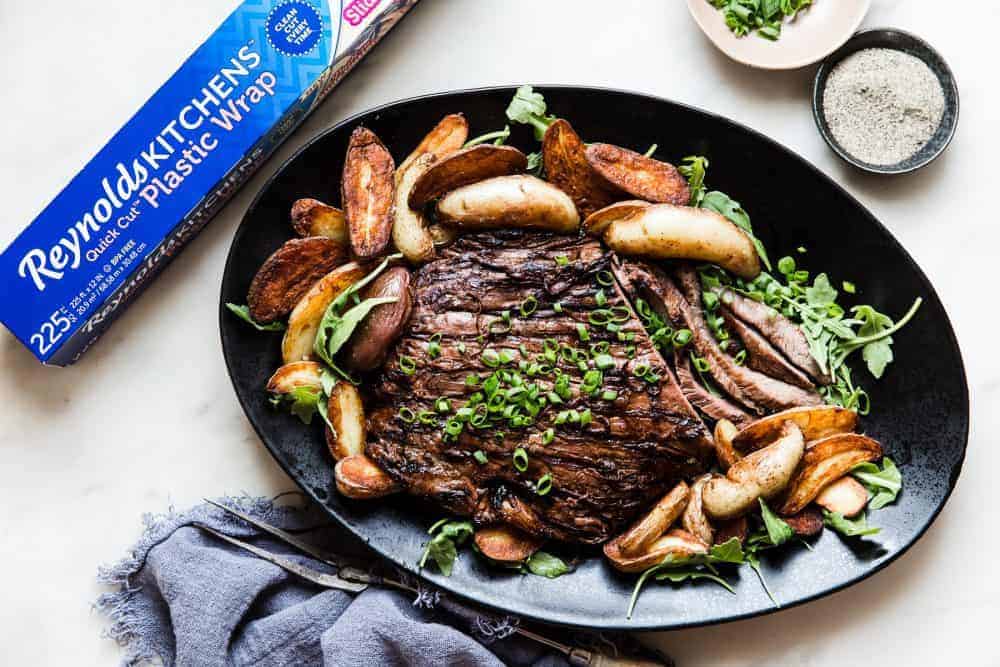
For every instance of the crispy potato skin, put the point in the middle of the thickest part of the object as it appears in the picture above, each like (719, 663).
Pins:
(846, 496)
(826, 461)
(676, 543)
(303, 323)
(358, 477)
(654, 523)
(509, 202)
(448, 136)
(289, 273)
(367, 191)
(638, 175)
(506, 544)
(465, 166)
(693, 520)
(665, 231)
(311, 217)
(763, 474)
(347, 415)
(371, 341)
(294, 375)
(409, 228)
(565, 159)
(595, 223)
(815, 422)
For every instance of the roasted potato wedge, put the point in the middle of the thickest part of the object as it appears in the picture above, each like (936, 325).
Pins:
(806, 523)
(509, 201)
(367, 191)
(654, 523)
(846, 496)
(725, 431)
(303, 323)
(409, 228)
(676, 543)
(595, 223)
(825, 462)
(311, 217)
(565, 159)
(465, 166)
(448, 136)
(763, 474)
(693, 520)
(638, 175)
(289, 273)
(294, 375)
(347, 414)
(372, 340)
(357, 476)
(506, 544)
(665, 231)
(815, 422)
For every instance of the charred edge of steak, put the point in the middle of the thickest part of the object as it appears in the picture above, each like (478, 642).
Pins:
(635, 447)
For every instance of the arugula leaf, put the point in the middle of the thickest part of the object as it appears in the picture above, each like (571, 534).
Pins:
(498, 137)
(545, 564)
(243, 312)
(778, 531)
(822, 293)
(884, 484)
(302, 401)
(730, 551)
(677, 576)
(443, 547)
(730, 209)
(849, 527)
(676, 570)
(528, 108)
(754, 562)
(693, 170)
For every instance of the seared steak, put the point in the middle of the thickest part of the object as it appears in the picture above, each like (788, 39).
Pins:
(781, 332)
(639, 437)
(761, 355)
(715, 407)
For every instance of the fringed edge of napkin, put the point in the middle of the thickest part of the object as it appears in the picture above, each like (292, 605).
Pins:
(119, 605)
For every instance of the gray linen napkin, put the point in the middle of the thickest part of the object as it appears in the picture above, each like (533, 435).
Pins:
(186, 598)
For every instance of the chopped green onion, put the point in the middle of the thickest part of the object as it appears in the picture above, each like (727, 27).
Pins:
(604, 361)
(506, 356)
(407, 365)
(849, 287)
(442, 405)
(426, 417)
(557, 307)
(407, 415)
(700, 363)
(544, 484)
(520, 460)
(562, 260)
(609, 395)
(581, 331)
(548, 436)
(740, 357)
(600, 298)
(640, 370)
(681, 337)
(528, 306)
(490, 358)
(605, 278)
(461, 347)
(433, 349)
(480, 457)
(586, 417)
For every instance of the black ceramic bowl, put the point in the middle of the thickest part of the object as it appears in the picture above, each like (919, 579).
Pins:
(920, 407)
(890, 38)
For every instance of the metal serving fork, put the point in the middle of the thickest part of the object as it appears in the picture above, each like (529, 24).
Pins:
(352, 578)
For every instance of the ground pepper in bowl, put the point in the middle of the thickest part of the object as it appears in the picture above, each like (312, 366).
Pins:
(882, 105)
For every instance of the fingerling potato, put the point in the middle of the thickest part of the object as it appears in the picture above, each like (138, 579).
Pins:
(655, 522)
(595, 223)
(358, 477)
(303, 323)
(311, 217)
(825, 462)
(666, 231)
(347, 415)
(371, 341)
(693, 519)
(565, 159)
(815, 422)
(409, 228)
(676, 544)
(289, 273)
(465, 166)
(367, 191)
(727, 456)
(448, 136)
(294, 375)
(506, 544)
(847, 496)
(509, 201)
(638, 175)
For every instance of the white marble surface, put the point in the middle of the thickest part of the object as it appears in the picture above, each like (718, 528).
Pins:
(148, 418)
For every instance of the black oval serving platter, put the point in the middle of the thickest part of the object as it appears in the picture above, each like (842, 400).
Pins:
(920, 408)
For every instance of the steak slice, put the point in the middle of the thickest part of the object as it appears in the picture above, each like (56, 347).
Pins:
(761, 355)
(715, 407)
(638, 443)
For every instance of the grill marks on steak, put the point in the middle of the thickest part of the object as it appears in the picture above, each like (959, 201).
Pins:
(635, 448)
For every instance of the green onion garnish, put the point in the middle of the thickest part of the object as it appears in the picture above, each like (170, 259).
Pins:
(407, 365)
(609, 395)
(479, 456)
(544, 484)
(605, 278)
(548, 436)
(490, 358)
(562, 260)
(520, 460)
(581, 331)
(528, 306)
